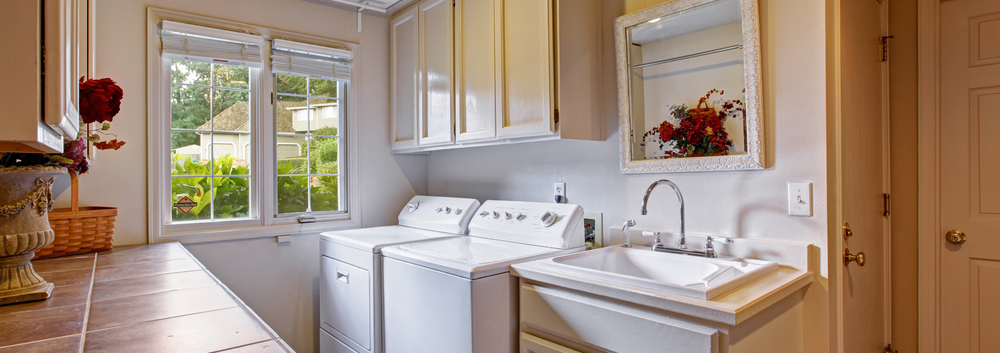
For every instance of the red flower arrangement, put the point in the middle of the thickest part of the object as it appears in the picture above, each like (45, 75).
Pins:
(699, 131)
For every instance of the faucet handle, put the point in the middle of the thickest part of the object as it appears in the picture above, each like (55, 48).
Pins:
(658, 241)
(710, 240)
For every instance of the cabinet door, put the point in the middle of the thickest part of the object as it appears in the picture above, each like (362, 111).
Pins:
(62, 88)
(528, 69)
(477, 87)
(592, 322)
(436, 54)
(405, 79)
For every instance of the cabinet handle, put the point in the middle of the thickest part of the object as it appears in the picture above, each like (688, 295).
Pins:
(343, 276)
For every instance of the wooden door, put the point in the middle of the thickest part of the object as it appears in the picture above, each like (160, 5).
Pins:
(477, 83)
(863, 178)
(528, 69)
(404, 89)
(970, 175)
(437, 116)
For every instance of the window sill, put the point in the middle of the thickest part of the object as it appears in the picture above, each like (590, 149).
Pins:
(235, 231)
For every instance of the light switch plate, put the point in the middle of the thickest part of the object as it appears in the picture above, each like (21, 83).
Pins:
(800, 199)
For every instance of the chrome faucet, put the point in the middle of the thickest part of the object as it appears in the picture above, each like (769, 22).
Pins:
(681, 248)
(645, 198)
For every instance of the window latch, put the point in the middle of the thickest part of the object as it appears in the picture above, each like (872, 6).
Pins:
(307, 219)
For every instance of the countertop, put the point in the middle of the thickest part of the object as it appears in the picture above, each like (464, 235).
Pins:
(731, 308)
(144, 298)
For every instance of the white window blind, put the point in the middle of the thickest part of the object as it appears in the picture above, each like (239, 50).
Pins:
(288, 57)
(183, 41)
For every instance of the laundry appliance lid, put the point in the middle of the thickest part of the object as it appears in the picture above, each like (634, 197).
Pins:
(374, 239)
(469, 257)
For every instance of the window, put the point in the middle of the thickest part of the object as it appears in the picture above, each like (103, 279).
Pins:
(239, 148)
(307, 113)
(210, 113)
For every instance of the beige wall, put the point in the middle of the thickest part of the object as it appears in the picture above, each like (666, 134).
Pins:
(280, 282)
(750, 204)
(903, 134)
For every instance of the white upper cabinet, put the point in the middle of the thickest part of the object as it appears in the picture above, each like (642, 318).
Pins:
(404, 87)
(41, 103)
(477, 68)
(437, 114)
(502, 68)
(528, 69)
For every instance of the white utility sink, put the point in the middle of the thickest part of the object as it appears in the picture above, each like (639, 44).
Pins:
(691, 276)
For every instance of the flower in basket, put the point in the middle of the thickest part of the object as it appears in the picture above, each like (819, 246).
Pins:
(698, 132)
(78, 229)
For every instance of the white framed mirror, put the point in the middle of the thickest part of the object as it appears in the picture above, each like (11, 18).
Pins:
(689, 87)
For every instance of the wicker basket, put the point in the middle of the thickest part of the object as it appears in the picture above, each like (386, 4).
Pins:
(80, 229)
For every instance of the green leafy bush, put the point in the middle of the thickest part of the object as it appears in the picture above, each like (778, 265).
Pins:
(231, 194)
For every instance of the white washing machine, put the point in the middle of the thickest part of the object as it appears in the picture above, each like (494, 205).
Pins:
(351, 264)
(456, 295)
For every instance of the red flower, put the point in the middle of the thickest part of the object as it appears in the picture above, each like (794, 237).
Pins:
(666, 131)
(100, 100)
(77, 151)
(715, 123)
(693, 129)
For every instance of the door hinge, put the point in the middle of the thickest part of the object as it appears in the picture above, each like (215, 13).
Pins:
(272, 98)
(886, 205)
(557, 116)
(885, 47)
(888, 349)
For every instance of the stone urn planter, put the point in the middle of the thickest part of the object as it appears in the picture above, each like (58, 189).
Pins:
(25, 202)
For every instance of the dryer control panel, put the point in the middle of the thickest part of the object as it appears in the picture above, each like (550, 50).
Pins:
(442, 214)
(550, 225)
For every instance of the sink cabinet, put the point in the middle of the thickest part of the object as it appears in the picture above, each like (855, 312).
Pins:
(557, 319)
(483, 72)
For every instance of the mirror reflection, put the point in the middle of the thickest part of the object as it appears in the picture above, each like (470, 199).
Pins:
(687, 83)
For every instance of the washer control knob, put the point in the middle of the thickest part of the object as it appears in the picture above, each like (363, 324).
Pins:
(549, 218)
(439, 209)
(447, 210)
(484, 214)
(496, 215)
(521, 217)
(412, 206)
(458, 211)
(507, 216)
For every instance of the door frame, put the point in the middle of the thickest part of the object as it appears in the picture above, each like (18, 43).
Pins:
(835, 141)
(929, 171)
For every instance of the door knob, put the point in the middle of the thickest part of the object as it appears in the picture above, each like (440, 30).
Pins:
(848, 257)
(955, 236)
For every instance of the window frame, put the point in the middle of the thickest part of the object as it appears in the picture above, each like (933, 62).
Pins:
(264, 220)
(342, 96)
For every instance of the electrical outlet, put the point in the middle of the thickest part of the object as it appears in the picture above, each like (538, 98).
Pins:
(800, 199)
(560, 192)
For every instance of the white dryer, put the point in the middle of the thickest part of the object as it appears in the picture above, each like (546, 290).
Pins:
(351, 264)
(456, 295)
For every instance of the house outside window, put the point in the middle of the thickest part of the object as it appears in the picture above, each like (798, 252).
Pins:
(249, 135)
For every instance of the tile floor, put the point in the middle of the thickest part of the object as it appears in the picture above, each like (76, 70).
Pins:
(146, 298)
